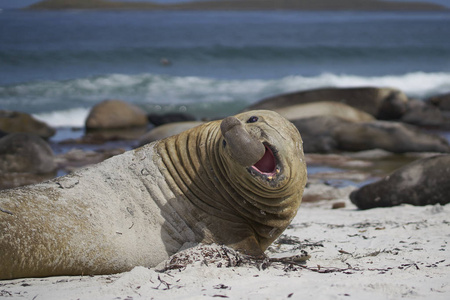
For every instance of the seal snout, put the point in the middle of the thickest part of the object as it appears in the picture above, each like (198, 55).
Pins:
(228, 124)
(244, 148)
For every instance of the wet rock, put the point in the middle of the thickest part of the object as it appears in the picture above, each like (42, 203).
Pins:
(18, 122)
(115, 114)
(423, 182)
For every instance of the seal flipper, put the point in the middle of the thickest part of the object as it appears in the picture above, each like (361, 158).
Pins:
(249, 246)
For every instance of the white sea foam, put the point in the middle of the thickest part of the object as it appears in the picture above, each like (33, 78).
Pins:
(66, 118)
(198, 95)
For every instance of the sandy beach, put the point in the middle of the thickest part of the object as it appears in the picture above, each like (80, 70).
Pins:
(384, 253)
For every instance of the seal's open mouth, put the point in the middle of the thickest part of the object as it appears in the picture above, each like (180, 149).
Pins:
(267, 164)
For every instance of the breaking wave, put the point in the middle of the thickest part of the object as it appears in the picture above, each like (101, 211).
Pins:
(67, 103)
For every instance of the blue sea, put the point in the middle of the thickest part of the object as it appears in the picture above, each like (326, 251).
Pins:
(57, 65)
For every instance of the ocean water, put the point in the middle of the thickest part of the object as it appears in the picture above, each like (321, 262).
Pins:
(57, 65)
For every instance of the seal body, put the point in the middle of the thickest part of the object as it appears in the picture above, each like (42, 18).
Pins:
(331, 133)
(324, 108)
(166, 130)
(422, 182)
(140, 207)
(382, 103)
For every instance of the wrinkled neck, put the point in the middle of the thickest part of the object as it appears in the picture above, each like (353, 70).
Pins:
(195, 169)
(188, 164)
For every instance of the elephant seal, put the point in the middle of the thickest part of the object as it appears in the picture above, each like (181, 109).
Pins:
(166, 130)
(140, 207)
(323, 108)
(421, 182)
(382, 103)
(331, 133)
(174, 117)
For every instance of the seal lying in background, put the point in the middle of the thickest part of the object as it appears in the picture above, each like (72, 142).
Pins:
(237, 182)
(382, 103)
(330, 133)
(422, 182)
(323, 108)
(166, 130)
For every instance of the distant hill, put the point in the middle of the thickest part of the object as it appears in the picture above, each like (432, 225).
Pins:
(312, 5)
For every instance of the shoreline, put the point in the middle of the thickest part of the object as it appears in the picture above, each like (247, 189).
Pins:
(243, 5)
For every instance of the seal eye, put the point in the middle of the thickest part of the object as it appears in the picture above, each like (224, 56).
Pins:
(252, 119)
(224, 143)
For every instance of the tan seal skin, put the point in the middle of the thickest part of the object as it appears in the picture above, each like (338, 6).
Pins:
(237, 182)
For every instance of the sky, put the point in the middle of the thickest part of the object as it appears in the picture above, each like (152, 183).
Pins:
(6, 4)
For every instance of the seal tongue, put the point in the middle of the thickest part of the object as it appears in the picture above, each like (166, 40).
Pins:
(267, 163)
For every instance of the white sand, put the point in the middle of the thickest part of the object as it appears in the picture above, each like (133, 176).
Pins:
(385, 253)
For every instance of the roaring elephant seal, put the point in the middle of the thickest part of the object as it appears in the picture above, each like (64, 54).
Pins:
(237, 182)
(421, 182)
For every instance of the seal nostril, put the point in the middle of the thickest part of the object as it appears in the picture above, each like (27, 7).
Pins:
(224, 143)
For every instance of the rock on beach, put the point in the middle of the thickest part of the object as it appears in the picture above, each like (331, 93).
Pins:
(115, 114)
(25, 158)
(19, 122)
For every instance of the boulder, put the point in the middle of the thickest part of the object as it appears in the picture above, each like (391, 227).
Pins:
(25, 158)
(18, 122)
(382, 103)
(25, 153)
(115, 114)
(423, 182)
